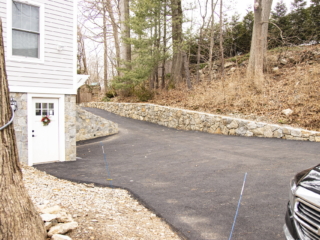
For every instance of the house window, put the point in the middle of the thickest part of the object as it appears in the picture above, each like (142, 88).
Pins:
(25, 30)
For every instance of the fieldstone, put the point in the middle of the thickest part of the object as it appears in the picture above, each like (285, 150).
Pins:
(249, 134)
(305, 134)
(296, 133)
(241, 131)
(317, 139)
(62, 228)
(232, 132)
(46, 217)
(60, 237)
(233, 69)
(268, 132)
(252, 125)
(286, 131)
(278, 133)
(287, 112)
(258, 132)
(233, 125)
(218, 131)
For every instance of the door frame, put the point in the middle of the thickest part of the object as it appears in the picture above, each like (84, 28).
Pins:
(61, 122)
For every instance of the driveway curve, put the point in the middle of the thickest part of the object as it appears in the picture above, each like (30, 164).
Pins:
(193, 179)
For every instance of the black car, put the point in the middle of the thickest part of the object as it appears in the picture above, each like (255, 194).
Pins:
(302, 221)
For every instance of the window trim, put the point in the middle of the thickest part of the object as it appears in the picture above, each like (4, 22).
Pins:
(12, 57)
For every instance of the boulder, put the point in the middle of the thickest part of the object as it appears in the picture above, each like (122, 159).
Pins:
(275, 70)
(283, 61)
(46, 217)
(60, 237)
(62, 228)
(229, 64)
(287, 112)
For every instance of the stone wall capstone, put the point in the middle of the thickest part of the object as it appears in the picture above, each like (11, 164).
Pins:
(91, 126)
(205, 122)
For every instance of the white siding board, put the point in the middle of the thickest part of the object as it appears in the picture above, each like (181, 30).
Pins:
(57, 69)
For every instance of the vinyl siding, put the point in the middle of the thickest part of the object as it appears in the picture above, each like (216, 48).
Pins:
(57, 70)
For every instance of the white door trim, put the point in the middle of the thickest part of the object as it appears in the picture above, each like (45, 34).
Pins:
(61, 99)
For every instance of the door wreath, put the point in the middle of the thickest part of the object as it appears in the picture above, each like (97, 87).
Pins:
(45, 120)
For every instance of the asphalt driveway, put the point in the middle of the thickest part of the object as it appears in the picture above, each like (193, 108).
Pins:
(193, 179)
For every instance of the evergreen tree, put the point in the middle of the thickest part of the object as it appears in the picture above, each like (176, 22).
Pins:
(315, 18)
(280, 10)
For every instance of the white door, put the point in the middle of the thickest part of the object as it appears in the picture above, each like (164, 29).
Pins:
(45, 138)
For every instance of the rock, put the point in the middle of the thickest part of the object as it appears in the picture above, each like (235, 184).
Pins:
(51, 210)
(46, 217)
(283, 61)
(287, 112)
(48, 225)
(62, 228)
(60, 237)
(233, 69)
(63, 217)
(233, 125)
(275, 70)
(268, 132)
(278, 133)
(229, 64)
(258, 132)
(296, 133)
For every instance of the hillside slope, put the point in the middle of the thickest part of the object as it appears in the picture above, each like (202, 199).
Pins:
(292, 82)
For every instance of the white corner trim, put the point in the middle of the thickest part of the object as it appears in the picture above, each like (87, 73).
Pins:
(9, 55)
(62, 140)
(75, 44)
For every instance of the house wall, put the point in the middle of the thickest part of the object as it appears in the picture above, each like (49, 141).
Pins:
(56, 71)
(21, 126)
(70, 127)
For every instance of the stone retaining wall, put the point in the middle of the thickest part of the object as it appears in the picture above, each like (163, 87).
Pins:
(205, 122)
(91, 126)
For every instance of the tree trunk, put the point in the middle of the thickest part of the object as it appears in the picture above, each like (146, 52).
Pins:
(125, 50)
(164, 45)
(258, 50)
(177, 61)
(105, 48)
(221, 41)
(213, 6)
(18, 216)
(115, 32)
(187, 70)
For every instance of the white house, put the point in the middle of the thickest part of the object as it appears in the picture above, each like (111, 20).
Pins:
(41, 57)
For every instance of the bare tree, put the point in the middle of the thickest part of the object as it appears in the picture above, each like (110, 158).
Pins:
(18, 216)
(125, 50)
(115, 29)
(221, 40)
(203, 16)
(213, 7)
(177, 59)
(258, 50)
(81, 56)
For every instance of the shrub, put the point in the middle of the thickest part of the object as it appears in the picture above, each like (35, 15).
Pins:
(143, 94)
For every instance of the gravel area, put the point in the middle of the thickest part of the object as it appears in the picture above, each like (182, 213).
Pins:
(102, 213)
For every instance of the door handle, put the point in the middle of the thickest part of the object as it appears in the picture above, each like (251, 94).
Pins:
(32, 135)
